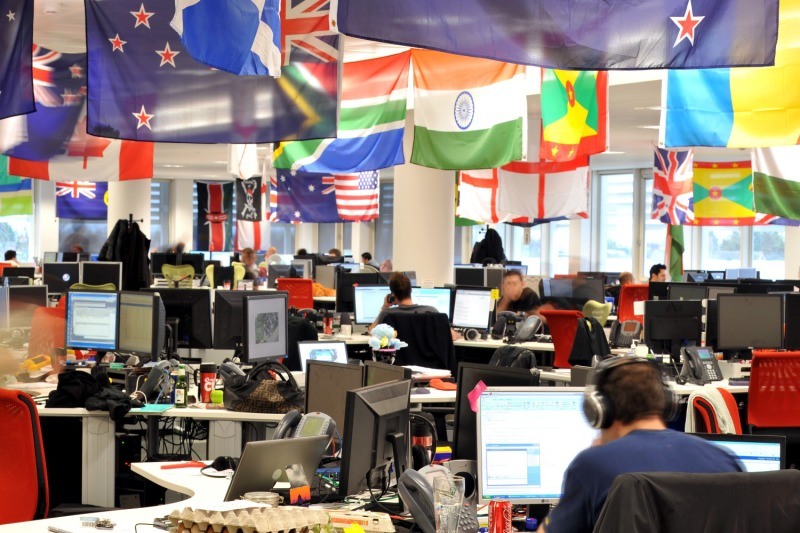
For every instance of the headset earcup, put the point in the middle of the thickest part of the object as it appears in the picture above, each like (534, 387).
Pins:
(671, 404)
(597, 409)
(472, 334)
(419, 456)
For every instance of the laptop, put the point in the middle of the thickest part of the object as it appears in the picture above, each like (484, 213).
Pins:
(757, 453)
(264, 462)
(328, 351)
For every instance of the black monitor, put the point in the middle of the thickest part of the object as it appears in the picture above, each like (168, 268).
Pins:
(59, 277)
(747, 321)
(469, 276)
(695, 276)
(192, 310)
(716, 290)
(14, 280)
(23, 301)
(327, 385)
(468, 376)
(325, 259)
(687, 291)
(228, 319)
(19, 272)
(345, 296)
(101, 272)
(792, 320)
(158, 260)
(716, 275)
(223, 274)
(314, 258)
(142, 317)
(672, 324)
(265, 327)
(472, 307)
(576, 291)
(375, 435)
(375, 372)
(92, 320)
(75, 257)
(280, 271)
(658, 290)
(196, 260)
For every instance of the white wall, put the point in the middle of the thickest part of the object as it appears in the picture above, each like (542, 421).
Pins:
(181, 224)
(127, 198)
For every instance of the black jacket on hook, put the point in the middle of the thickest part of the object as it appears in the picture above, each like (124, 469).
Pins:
(128, 244)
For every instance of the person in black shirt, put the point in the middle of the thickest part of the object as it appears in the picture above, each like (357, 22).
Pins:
(516, 296)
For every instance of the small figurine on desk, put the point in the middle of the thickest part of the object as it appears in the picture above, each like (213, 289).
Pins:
(384, 343)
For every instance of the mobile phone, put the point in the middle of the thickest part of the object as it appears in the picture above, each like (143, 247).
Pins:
(391, 299)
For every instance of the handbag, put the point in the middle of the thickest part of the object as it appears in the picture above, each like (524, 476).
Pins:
(268, 388)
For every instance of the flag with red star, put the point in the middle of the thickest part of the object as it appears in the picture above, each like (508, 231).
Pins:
(147, 87)
(16, 40)
(83, 200)
(672, 186)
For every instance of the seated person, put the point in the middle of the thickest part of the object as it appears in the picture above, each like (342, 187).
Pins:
(658, 272)
(633, 438)
(625, 278)
(251, 270)
(516, 296)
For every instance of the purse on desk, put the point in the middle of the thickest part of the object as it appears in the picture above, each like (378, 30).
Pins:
(267, 388)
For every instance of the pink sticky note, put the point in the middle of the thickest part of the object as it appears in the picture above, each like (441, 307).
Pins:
(475, 395)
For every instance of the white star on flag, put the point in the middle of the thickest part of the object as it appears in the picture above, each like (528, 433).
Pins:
(310, 188)
(11, 15)
(76, 71)
(297, 214)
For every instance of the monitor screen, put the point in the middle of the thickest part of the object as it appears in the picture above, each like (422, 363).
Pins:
(23, 301)
(101, 272)
(747, 321)
(345, 281)
(328, 351)
(376, 372)
(74, 257)
(695, 276)
(469, 276)
(687, 291)
(192, 310)
(658, 290)
(92, 320)
(326, 388)
(741, 273)
(266, 327)
(280, 271)
(439, 297)
(224, 258)
(50, 257)
(575, 290)
(716, 275)
(59, 277)
(19, 272)
(672, 324)
(368, 301)
(525, 463)
(141, 324)
(472, 307)
(757, 453)
(228, 319)
(194, 259)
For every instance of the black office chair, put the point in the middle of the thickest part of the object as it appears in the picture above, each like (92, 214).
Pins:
(430, 343)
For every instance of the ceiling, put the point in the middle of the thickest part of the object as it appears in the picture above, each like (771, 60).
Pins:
(634, 100)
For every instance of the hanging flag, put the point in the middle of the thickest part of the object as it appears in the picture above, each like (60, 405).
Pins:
(243, 160)
(249, 213)
(59, 88)
(16, 41)
(238, 36)
(357, 195)
(144, 87)
(674, 252)
(576, 34)
(672, 186)
(544, 190)
(82, 200)
(477, 198)
(371, 122)
(738, 107)
(305, 197)
(214, 215)
(16, 194)
(574, 114)
(776, 181)
(468, 113)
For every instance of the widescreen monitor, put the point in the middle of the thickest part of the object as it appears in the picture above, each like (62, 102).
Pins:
(59, 277)
(687, 291)
(191, 308)
(345, 294)
(694, 276)
(577, 291)
(158, 260)
(19, 272)
(23, 301)
(92, 320)
(101, 272)
(75, 257)
(14, 280)
(368, 300)
(525, 462)
(326, 388)
(670, 325)
(224, 258)
(757, 453)
(746, 321)
(328, 351)
(142, 317)
(376, 372)
(741, 273)
(472, 307)
(469, 276)
(438, 297)
(266, 327)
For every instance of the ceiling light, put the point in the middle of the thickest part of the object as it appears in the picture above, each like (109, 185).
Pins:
(649, 127)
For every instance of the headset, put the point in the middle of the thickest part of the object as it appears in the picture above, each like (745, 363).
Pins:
(597, 406)
(472, 334)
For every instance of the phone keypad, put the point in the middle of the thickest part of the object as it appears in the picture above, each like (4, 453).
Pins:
(711, 372)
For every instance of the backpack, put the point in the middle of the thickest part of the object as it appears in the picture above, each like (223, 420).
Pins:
(514, 357)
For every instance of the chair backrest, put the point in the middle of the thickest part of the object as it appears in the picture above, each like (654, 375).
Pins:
(628, 295)
(48, 330)
(23, 478)
(430, 342)
(239, 271)
(774, 395)
(179, 275)
(87, 287)
(301, 291)
(563, 326)
(597, 310)
(706, 417)
(4, 265)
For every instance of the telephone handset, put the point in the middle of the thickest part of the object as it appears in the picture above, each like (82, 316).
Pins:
(623, 334)
(416, 492)
(699, 366)
(293, 424)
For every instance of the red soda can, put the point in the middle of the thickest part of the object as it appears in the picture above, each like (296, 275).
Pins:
(499, 516)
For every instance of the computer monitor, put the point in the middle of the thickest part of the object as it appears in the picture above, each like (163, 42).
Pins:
(792, 321)
(345, 294)
(279, 271)
(75, 257)
(716, 290)
(411, 275)
(694, 276)
(494, 277)
(326, 388)
(142, 317)
(228, 319)
(224, 274)
(351, 267)
(328, 351)
(50, 257)
(158, 260)
(191, 308)
(465, 429)
(266, 327)
(224, 258)
(472, 307)
(741, 273)
(19, 272)
(757, 453)
(368, 300)
(23, 301)
(658, 290)
(672, 324)
(469, 276)
(59, 277)
(747, 321)
(522, 269)
(577, 291)
(687, 291)
(376, 372)
(375, 435)
(438, 297)
(325, 259)
(304, 268)
(101, 272)
(310, 257)
(716, 275)
(525, 462)
(92, 320)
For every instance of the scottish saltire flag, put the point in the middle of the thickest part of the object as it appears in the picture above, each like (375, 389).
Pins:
(371, 122)
(776, 181)
(576, 34)
(477, 198)
(59, 87)
(82, 200)
(16, 194)
(145, 86)
(214, 216)
(672, 186)
(16, 40)
(238, 36)
(357, 195)
(305, 197)
(545, 190)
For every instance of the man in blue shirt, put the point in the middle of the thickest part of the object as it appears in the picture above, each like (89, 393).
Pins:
(628, 404)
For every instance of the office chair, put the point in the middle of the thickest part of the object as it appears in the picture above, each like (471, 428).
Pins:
(430, 343)
(369, 268)
(563, 327)
(48, 330)
(598, 311)
(238, 274)
(4, 265)
(628, 295)
(87, 287)
(179, 276)
(23, 478)
(713, 410)
(301, 291)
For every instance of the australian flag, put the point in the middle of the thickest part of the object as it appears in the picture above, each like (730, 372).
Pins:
(672, 186)
(16, 40)
(81, 199)
(306, 197)
(145, 86)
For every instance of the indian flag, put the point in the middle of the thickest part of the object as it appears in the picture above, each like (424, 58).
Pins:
(372, 118)
(776, 180)
(469, 113)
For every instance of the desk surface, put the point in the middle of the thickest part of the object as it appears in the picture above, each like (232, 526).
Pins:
(563, 376)
(494, 344)
(189, 412)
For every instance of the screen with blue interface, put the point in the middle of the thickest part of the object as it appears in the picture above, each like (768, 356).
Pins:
(757, 453)
(471, 308)
(526, 439)
(368, 302)
(435, 297)
(92, 320)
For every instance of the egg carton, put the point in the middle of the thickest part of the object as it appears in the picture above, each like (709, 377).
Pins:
(252, 520)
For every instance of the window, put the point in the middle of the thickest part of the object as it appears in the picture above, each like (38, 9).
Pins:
(347, 238)
(159, 214)
(525, 244)
(769, 244)
(281, 236)
(89, 234)
(721, 248)
(15, 234)
(616, 234)
(559, 247)
(384, 224)
(326, 237)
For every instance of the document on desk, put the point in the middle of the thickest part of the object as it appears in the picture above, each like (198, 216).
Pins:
(419, 371)
(152, 408)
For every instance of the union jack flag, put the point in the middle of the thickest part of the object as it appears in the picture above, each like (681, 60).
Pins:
(81, 200)
(76, 189)
(305, 25)
(46, 90)
(357, 195)
(330, 181)
(672, 186)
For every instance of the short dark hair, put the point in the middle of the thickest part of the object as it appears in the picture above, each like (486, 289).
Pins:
(655, 269)
(528, 300)
(302, 251)
(511, 272)
(335, 252)
(635, 391)
(11, 254)
(367, 256)
(400, 286)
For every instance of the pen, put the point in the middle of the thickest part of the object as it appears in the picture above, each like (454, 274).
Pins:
(55, 529)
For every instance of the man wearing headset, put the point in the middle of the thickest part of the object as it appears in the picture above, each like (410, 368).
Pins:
(629, 404)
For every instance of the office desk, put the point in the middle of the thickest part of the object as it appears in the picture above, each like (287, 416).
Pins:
(325, 299)
(434, 397)
(491, 344)
(355, 339)
(563, 376)
(188, 481)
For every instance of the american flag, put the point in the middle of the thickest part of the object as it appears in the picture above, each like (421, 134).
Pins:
(76, 189)
(357, 195)
(672, 186)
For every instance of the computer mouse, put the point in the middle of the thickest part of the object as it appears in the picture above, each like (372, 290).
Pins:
(420, 390)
